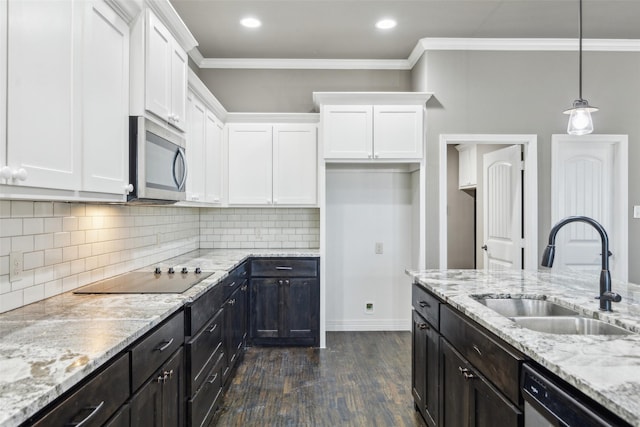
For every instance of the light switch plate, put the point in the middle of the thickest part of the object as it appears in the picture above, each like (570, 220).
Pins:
(15, 266)
(636, 211)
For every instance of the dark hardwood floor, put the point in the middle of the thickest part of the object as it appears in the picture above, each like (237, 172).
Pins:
(360, 379)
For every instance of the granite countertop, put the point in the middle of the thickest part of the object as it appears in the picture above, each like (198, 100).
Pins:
(49, 346)
(605, 368)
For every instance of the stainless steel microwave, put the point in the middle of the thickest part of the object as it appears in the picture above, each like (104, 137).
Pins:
(157, 163)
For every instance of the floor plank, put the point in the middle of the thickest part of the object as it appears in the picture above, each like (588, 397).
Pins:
(360, 379)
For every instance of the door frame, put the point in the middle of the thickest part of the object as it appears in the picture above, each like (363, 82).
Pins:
(529, 144)
(621, 185)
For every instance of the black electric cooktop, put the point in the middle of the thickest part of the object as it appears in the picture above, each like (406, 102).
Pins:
(158, 282)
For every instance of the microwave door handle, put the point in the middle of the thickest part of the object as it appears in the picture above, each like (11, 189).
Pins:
(183, 178)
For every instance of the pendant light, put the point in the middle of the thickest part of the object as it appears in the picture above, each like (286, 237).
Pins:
(580, 122)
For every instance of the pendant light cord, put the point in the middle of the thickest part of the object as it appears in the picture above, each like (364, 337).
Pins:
(580, 54)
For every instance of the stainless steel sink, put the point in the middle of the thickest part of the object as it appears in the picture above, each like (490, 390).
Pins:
(517, 307)
(569, 325)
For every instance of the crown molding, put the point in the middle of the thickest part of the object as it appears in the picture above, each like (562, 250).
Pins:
(423, 45)
(203, 92)
(127, 9)
(305, 64)
(313, 118)
(171, 19)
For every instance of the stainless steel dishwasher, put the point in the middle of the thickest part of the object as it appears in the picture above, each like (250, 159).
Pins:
(550, 403)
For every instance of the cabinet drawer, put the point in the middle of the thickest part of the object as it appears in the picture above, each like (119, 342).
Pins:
(95, 401)
(241, 271)
(202, 352)
(498, 364)
(426, 304)
(203, 309)
(202, 406)
(155, 349)
(284, 267)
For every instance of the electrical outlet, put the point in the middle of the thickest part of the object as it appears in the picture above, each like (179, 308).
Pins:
(379, 248)
(368, 307)
(636, 211)
(15, 266)
(258, 234)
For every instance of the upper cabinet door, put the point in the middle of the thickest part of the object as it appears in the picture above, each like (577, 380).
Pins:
(250, 164)
(195, 149)
(178, 86)
(158, 68)
(42, 104)
(397, 131)
(347, 131)
(295, 164)
(105, 100)
(213, 159)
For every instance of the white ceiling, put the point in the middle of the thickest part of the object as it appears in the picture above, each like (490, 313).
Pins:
(344, 29)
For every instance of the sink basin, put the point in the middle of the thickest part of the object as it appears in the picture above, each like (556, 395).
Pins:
(517, 307)
(569, 325)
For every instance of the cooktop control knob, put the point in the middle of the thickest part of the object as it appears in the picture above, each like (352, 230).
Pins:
(171, 270)
(198, 271)
(184, 270)
(157, 270)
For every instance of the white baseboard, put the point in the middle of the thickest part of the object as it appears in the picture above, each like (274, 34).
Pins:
(369, 325)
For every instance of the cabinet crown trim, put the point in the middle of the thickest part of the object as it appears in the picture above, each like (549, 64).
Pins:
(273, 118)
(169, 17)
(370, 98)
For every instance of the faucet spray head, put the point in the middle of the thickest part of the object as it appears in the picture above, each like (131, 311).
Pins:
(548, 256)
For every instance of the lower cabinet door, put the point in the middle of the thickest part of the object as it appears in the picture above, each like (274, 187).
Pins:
(455, 392)
(301, 317)
(121, 418)
(425, 363)
(488, 406)
(265, 308)
(146, 405)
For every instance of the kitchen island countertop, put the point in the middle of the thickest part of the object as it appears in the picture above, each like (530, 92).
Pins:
(48, 347)
(605, 368)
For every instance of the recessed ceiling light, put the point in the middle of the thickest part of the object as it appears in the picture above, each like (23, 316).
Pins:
(250, 22)
(386, 24)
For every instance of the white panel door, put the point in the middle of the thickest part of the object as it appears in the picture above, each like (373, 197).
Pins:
(213, 159)
(41, 98)
(347, 131)
(397, 131)
(178, 86)
(195, 149)
(585, 182)
(295, 164)
(105, 100)
(250, 164)
(158, 68)
(3, 86)
(502, 208)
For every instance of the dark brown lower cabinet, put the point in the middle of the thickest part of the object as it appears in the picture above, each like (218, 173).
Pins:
(235, 328)
(425, 368)
(121, 418)
(160, 402)
(468, 399)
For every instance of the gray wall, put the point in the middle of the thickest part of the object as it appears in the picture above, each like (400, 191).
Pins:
(526, 92)
(290, 91)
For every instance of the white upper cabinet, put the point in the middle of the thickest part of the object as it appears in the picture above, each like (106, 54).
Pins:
(213, 170)
(397, 131)
(250, 164)
(365, 126)
(105, 100)
(42, 101)
(272, 164)
(348, 131)
(467, 165)
(295, 164)
(165, 74)
(67, 101)
(197, 114)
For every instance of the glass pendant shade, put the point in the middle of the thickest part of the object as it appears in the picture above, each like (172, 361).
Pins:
(580, 122)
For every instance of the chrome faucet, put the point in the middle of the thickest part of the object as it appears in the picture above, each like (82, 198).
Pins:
(606, 296)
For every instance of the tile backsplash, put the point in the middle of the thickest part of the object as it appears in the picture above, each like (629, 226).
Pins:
(63, 246)
(222, 228)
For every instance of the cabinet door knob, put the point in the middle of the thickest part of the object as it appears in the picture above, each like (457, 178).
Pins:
(423, 326)
(19, 174)
(5, 172)
(128, 188)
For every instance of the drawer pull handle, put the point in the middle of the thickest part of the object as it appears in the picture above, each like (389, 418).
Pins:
(213, 378)
(423, 326)
(213, 328)
(232, 284)
(424, 304)
(284, 268)
(95, 410)
(475, 347)
(165, 346)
